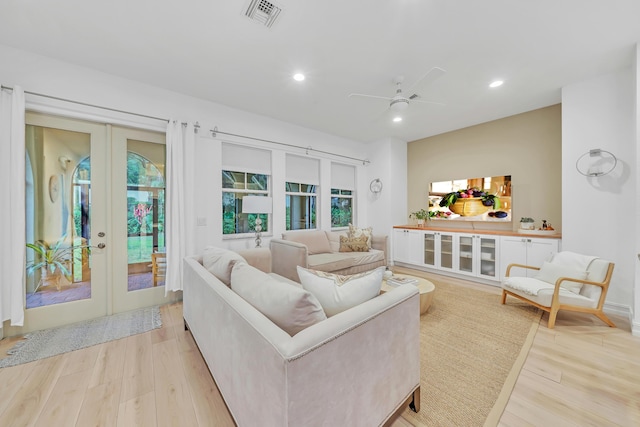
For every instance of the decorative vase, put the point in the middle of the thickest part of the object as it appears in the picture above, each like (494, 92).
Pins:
(527, 225)
(50, 278)
(471, 206)
(421, 223)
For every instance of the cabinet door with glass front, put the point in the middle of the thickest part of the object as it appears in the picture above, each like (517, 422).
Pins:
(466, 254)
(445, 244)
(488, 259)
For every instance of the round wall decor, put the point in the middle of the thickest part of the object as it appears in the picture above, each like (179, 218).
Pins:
(375, 186)
(54, 187)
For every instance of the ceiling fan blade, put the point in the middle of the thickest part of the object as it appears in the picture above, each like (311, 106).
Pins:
(424, 81)
(386, 98)
(422, 101)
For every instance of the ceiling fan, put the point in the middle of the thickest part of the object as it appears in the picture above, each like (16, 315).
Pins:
(400, 102)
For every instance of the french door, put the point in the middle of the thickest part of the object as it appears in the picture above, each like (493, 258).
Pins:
(95, 220)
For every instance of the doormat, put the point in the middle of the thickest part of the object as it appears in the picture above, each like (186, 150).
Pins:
(54, 341)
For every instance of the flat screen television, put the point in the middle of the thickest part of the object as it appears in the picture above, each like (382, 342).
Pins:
(471, 199)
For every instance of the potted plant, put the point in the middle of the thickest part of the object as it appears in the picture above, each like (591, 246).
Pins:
(470, 202)
(526, 223)
(420, 215)
(52, 260)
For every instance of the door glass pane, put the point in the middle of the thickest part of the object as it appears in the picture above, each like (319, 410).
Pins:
(58, 216)
(145, 214)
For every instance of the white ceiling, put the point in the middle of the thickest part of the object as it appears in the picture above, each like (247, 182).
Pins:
(210, 50)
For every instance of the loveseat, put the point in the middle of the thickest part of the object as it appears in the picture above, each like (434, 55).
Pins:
(355, 368)
(321, 250)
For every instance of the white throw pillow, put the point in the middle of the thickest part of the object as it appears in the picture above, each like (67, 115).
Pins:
(357, 232)
(291, 308)
(219, 262)
(339, 293)
(550, 273)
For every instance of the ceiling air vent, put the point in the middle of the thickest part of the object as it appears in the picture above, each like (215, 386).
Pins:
(263, 11)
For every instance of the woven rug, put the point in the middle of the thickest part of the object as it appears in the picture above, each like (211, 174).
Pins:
(50, 342)
(469, 346)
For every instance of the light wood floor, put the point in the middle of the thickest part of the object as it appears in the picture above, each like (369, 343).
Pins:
(581, 373)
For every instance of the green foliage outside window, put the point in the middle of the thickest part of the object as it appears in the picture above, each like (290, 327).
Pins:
(341, 208)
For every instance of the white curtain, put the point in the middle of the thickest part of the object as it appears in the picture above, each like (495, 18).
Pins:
(12, 214)
(180, 200)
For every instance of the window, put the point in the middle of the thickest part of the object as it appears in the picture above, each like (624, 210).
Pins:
(343, 183)
(341, 208)
(301, 206)
(236, 185)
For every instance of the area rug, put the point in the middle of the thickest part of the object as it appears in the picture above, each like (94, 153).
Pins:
(51, 342)
(469, 345)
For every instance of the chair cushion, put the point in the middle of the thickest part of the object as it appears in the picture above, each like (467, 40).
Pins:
(550, 273)
(291, 308)
(316, 241)
(544, 292)
(219, 262)
(339, 293)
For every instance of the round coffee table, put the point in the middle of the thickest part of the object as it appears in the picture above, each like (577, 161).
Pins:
(426, 288)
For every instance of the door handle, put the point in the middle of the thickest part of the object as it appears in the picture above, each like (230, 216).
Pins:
(101, 245)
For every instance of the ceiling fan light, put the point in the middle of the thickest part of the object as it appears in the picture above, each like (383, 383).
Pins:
(399, 105)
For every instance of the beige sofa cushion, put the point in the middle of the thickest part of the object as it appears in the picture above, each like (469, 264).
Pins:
(339, 293)
(316, 241)
(219, 262)
(291, 308)
(342, 260)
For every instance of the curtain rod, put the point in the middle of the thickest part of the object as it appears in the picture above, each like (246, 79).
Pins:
(215, 131)
(86, 104)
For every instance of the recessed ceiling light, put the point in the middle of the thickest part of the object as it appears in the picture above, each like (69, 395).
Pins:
(298, 77)
(397, 119)
(496, 83)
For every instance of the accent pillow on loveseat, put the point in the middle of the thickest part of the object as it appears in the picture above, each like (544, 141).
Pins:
(338, 293)
(291, 308)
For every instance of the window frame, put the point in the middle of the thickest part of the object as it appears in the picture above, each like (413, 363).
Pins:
(245, 192)
(288, 194)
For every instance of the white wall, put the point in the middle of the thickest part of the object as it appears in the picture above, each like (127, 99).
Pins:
(598, 213)
(55, 78)
(388, 208)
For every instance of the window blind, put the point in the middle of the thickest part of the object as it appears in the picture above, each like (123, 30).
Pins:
(302, 170)
(343, 177)
(245, 159)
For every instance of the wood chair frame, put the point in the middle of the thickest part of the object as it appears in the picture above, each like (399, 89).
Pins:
(555, 301)
(158, 266)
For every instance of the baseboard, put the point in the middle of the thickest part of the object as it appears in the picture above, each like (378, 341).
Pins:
(619, 309)
(635, 329)
(447, 273)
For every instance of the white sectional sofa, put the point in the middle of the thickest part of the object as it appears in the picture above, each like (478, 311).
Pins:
(356, 368)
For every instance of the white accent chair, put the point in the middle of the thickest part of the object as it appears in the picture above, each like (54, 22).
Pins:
(569, 281)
